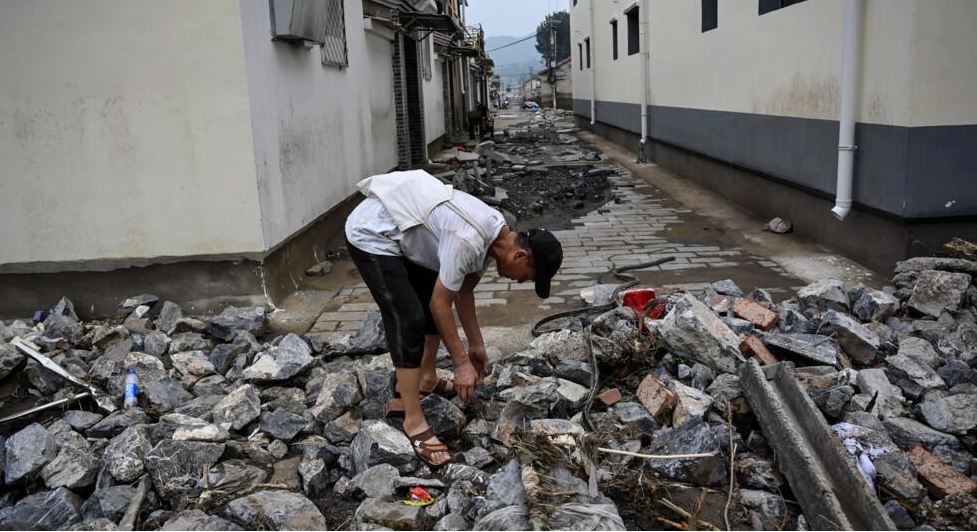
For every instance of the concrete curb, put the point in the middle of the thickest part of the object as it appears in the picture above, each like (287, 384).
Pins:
(830, 490)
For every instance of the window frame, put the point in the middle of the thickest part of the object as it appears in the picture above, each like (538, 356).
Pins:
(710, 15)
(633, 14)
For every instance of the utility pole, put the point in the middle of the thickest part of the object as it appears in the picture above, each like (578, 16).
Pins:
(552, 58)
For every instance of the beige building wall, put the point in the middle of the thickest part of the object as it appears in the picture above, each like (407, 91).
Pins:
(917, 59)
(317, 129)
(125, 132)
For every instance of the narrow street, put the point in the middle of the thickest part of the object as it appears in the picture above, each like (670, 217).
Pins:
(710, 241)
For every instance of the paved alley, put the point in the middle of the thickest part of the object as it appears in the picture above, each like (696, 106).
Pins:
(639, 224)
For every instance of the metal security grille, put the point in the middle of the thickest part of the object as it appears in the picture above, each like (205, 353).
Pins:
(334, 44)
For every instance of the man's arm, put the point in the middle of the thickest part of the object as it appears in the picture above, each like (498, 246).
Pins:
(469, 322)
(465, 374)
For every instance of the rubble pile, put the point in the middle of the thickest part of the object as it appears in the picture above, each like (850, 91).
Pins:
(236, 430)
(537, 173)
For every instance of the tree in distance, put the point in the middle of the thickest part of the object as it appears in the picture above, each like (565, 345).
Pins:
(562, 21)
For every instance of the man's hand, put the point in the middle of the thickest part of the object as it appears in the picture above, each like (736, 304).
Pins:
(466, 378)
(479, 358)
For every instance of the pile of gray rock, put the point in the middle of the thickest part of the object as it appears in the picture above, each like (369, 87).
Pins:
(237, 430)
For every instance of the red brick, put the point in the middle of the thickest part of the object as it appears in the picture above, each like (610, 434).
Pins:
(937, 476)
(753, 346)
(609, 397)
(655, 396)
(756, 314)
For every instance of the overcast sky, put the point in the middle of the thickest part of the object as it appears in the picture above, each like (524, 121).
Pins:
(517, 18)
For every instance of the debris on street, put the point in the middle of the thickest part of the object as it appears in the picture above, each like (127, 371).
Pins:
(632, 413)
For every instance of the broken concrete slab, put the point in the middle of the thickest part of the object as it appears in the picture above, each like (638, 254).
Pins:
(953, 414)
(27, 451)
(809, 347)
(937, 291)
(807, 450)
(858, 341)
(823, 295)
(691, 328)
(913, 376)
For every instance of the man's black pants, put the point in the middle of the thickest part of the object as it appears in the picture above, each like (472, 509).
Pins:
(403, 292)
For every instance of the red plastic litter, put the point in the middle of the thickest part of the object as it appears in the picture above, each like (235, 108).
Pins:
(638, 299)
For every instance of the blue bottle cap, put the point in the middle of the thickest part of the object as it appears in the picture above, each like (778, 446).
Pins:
(132, 371)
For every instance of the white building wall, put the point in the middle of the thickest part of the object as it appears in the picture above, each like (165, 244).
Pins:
(917, 59)
(317, 129)
(433, 96)
(124, 132)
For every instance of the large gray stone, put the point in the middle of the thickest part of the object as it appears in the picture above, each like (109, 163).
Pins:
(377, 482)
(275, 510)
(907, 432)
(339, 392)
(692, 328)
(897, 475)
(282, 424)
(125, 454)
(857, 340)
(826, 294)
(58, 509)
(379, 443)
(812, 347)
(118, 421)
(165, 394)
(199, 407)
(913, 376)
(175, 467)
(920, 349)
(371, 337)
(890, 400)
(108, 502)
(232, 319)
(690, 403)
(954, 414)
(74, 467)
(170, 313)
(393, 515)
(239, 408)
(873, 305)
(694, 437)
(198, 520)
(290, 357)
(343, 429)
(443, 416)
(918, 264)
(82, 420)
(10, 359)
(936, 291)
(27, 451)
(768, 511)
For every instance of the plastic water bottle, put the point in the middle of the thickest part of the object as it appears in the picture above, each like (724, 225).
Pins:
(132, 389)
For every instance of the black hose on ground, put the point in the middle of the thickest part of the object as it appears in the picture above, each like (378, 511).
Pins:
(630, 281)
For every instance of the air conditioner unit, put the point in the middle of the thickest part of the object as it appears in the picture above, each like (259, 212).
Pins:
(298, 20)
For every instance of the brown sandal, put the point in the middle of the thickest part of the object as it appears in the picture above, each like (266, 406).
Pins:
(441, 388)
(426, 451)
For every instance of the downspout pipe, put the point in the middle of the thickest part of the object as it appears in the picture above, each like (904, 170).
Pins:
(645, 56)
(593, 68)
(846, 116)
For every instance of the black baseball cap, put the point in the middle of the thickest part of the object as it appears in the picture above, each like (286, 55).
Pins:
(547, 257)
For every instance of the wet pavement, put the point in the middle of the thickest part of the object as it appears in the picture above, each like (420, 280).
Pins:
(639, 223)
